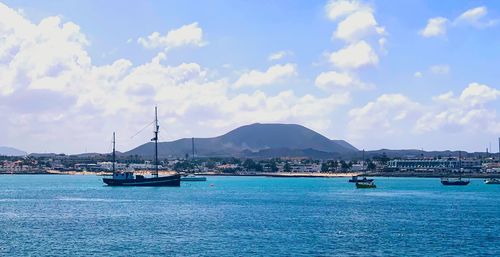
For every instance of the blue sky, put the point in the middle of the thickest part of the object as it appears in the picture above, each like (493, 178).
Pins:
(421, 74)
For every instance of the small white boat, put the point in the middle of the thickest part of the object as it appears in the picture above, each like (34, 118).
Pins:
(192, 177)
(492, 181)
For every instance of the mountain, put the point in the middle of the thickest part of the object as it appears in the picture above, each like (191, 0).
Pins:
(10, 151)
(262, 140)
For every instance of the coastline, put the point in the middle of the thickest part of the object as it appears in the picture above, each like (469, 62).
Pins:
(276, 175)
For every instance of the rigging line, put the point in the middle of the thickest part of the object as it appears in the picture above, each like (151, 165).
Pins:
(142, 130)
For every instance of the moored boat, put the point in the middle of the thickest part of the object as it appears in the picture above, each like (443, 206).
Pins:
(454, 182)
(129, 179)
(365, 185)
(192, 177)
(492, 181)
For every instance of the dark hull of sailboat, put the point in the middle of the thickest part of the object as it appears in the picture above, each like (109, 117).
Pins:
(167, 181)
(455, 183)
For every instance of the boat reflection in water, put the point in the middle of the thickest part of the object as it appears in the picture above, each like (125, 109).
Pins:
(369, 184)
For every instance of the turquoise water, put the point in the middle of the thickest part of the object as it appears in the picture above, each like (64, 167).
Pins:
(44, 215)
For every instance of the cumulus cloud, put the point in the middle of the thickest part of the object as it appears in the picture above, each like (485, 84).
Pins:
(475, 17)
(274, 74)
(278, 55)
(190, 34)
(357, 26)
(354, 56)
(50, 91)
(474, 111)
(38, 55)
(435, 27)
(467, 112)
(385, 115)
(333, 80)
(417, 74)
(336, 9)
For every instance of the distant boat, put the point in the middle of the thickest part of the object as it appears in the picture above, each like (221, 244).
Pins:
(492, 181)
(128, 178)
(355, 179)
(454, 182)
(369, 184)
(192, 177)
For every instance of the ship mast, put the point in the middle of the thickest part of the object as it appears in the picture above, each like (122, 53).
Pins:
(114, 155)
(192, 148)
(157, 128)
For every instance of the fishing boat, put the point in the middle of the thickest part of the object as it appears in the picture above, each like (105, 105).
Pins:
(129, 179)
(454, 182)
(369, 184)
(492, 181)
(192, 177)
(355, 179)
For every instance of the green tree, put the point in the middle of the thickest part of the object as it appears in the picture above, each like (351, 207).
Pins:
(249, 164)
(287, 167)
(324, 167)
(273, 166)
(343, 165)
(371, 165)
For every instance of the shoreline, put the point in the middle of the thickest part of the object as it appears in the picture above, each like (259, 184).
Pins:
(278, 174)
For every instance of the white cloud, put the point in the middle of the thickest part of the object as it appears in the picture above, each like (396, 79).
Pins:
(417, 74)
(51, 92)
(473, 111)
(440, 69)
(274, 74)
(354, 56)
(190, 34)
(333, 80)
(435, 27)
(39, 55)
(475, 17)
(385, 115)
(357, 26)
(467, 112)
(278, 55)
(339, 8)
(477, 94)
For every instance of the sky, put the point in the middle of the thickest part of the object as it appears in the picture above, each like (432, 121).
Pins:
(378, 74)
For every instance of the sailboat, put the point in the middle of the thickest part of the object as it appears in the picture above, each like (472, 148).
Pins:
(492, 181)
(193, 177)
(456, 181)
(129, 179)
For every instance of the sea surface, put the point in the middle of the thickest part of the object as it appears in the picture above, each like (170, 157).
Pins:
(50, 215)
